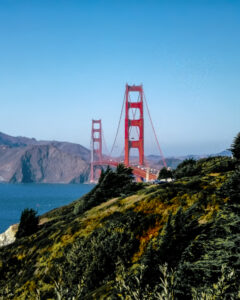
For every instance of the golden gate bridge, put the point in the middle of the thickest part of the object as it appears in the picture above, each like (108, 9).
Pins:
(134, 118)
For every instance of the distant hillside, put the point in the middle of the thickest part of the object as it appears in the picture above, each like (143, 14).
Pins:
(177, 240)
(174, 161)
(28, 160)
(19, 141)
(156, 162)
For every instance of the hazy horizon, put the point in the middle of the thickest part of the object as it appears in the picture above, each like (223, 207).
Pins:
(105, 153)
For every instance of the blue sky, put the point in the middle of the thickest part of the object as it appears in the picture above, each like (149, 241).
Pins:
(63, 63)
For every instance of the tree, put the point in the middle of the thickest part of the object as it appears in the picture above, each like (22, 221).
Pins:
(187, 168)
(165, 173)
(235, 147)
(231, 187)
(28, 223)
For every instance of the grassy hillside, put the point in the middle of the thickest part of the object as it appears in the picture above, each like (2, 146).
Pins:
(176, 240)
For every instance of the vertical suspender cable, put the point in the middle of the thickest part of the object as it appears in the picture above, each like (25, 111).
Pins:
(118, 125)
(105, 144)
(159, 148)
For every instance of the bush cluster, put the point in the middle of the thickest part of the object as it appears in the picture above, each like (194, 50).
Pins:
(112, 183)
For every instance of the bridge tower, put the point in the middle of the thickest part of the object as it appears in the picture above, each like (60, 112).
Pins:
(96, 145)
(129, 105)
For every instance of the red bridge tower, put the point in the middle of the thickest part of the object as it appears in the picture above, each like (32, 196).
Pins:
(139, 144)
(96, 145)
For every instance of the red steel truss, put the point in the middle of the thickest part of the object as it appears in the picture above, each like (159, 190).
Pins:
(129, 105)
(141, 171)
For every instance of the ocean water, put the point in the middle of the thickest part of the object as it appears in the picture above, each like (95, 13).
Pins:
(41, 197)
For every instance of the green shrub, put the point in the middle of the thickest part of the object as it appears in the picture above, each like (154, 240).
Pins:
(111, 184)
(231, 188)
(235, 147)
(216, 164)
(187, 168)
(165, 173)
(28, 223)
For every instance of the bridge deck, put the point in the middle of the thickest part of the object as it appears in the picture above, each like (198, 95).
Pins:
(137, 170)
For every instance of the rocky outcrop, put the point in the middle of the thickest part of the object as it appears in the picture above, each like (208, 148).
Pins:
(48, 164)
(8, 237)
(24, 160)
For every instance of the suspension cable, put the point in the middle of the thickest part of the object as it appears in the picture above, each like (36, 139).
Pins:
(118, 125)
(105, 144)
(158, 145)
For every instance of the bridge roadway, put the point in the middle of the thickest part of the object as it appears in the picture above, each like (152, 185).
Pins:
(137, 170)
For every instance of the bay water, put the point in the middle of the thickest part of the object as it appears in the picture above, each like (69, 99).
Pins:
(14, 198)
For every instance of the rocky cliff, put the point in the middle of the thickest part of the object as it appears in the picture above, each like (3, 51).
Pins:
(8, 237)
(28, 160)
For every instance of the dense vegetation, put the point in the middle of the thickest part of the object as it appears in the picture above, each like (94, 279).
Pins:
(177, 240)
(235, 147)
(111, 184)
